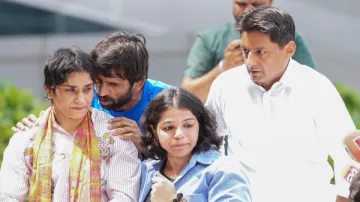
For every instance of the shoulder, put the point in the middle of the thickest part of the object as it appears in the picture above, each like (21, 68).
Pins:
(312, 82)
(237, 76)
(313, 78)
(216, 37)
(99, 116)
(217, 31)
(153, 87)
(22, 140)
(299, 37)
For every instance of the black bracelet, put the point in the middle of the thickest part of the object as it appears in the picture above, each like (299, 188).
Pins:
(178, 197)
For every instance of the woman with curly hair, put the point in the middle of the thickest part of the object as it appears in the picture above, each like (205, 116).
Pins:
(181, 141)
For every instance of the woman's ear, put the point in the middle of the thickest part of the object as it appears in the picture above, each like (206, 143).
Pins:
(153, 130)
(49, 92)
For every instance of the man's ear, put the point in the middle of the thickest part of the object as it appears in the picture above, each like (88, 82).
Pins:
(290, 49)
(139, 84)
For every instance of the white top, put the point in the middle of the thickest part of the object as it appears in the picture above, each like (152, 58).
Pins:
(120, 166)
(284, 135)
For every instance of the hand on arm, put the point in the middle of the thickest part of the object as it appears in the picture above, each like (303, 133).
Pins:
(126, 129)
(26, 123)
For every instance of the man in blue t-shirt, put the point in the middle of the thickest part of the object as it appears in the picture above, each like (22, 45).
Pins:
(122, 88)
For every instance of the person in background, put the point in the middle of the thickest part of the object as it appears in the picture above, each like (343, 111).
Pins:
(184, 165)
(70, 155)
(217, 50)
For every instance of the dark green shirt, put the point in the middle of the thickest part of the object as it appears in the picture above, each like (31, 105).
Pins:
(208, 50)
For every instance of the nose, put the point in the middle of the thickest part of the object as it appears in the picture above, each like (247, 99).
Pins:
(250, 60)
(179, 134)
(101, 89)
(81, 98)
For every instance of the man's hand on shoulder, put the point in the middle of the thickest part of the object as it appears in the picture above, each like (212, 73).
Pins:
(126, 129)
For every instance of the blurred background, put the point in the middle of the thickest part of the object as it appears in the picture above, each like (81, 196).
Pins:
(31, 29)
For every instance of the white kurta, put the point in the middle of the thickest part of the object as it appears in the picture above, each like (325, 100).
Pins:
(120, 166)
(284, 135)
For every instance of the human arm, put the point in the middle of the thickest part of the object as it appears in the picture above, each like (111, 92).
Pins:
(15, 171)
(124, 169)
(229, 183)
(334, 122)
(215, 104)
(201, 68)
(126, 129)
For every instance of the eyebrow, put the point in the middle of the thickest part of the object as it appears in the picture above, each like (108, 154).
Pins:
(188, 119)
(71, 86)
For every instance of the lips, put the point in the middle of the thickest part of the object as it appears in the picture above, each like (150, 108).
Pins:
(180, 146)
(104, 101)
(78, 108)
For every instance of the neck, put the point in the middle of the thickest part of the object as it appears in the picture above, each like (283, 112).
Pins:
(69, 125)
(267, 86)
(174, 165)
(134, 100)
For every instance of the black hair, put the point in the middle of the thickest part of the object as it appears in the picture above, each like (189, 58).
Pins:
(182, 99)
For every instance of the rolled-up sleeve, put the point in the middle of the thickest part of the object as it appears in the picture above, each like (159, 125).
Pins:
(123, 181)
(229, 183)
(15, 173)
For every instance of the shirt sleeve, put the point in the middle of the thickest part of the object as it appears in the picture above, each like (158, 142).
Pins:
(302, 54)
(334, 123)
(15, 172)
(229, 183)
(200, 60)
(123, 182)
(216, 106)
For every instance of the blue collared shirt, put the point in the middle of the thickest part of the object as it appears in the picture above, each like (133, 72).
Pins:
(208, 176)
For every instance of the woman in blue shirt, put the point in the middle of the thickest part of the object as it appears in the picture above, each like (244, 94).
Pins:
(184, 164)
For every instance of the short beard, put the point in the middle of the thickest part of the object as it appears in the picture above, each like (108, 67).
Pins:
(119, 102)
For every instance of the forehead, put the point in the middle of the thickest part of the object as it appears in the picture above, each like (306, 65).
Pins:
(256, 40)
(176, 113)
(113, 78)
(78, 79)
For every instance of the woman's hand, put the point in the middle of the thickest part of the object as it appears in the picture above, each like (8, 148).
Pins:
(163, 190)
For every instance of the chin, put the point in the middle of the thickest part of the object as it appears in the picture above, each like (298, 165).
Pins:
(78, 115)
(181, 153)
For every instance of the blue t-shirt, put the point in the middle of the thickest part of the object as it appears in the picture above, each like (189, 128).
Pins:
(151, 89)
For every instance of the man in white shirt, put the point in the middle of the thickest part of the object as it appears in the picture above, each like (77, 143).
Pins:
(282, 118)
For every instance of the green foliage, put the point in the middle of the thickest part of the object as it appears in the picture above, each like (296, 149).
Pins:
(15, 104)
(352, 101)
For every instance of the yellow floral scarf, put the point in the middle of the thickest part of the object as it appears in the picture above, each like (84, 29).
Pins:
(85, 150)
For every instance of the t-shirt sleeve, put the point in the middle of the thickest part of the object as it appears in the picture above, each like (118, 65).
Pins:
(201, 59)
(303, 54)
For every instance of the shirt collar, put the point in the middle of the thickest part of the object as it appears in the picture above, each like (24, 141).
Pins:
(207, 158)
